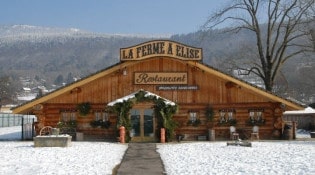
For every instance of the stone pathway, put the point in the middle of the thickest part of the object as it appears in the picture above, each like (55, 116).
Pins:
(141, 159)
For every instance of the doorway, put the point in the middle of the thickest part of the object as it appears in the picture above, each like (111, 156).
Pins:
(142, 125)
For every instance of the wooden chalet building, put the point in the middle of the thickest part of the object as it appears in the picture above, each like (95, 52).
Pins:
(175, 73)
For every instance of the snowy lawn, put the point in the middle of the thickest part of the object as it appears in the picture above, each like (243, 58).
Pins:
(22, 158)
(264, 157)
(275, 157)
(80, 158)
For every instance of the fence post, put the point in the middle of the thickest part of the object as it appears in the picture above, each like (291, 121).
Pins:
(33, 126)
(22, 128)
(8, 120)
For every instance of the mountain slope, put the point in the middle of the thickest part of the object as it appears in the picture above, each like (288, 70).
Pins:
(48, 56)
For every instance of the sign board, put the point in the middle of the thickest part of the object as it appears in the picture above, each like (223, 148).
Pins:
(176, 87)
(158, 48)
(160, 78)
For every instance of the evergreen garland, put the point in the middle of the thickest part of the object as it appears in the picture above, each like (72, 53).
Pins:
(84, 108)
(164, 113)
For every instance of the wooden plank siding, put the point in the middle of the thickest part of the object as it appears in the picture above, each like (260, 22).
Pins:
(241, 115)
(215, 89)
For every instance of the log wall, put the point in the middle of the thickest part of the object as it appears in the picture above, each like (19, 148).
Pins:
(213, 90)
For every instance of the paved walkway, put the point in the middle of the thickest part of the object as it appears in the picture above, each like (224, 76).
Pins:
(141, 159)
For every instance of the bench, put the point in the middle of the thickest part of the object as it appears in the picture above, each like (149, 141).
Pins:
(239, 143)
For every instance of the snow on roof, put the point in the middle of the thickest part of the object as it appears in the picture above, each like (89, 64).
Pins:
(26, 89)
(27, 97)
(147, 94)
(307, 110)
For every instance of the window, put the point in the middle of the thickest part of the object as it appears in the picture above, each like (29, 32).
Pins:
(68, 115)
(193, 119)
(227, 116)
(192, 116)
(256, 116)
(101, 115)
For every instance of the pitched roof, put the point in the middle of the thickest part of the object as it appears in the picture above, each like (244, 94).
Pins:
(307, 110)
(288, 102)
(24, 108)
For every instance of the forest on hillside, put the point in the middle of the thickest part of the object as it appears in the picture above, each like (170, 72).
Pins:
(54, 58)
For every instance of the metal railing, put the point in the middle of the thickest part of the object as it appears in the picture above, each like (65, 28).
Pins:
(7, 120)
(25, 121)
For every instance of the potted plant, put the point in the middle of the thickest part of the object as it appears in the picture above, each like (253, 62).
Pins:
(230, 122)
(209, 113)
(256, 122)
(100, 123)
(194, 123)
(67, 124)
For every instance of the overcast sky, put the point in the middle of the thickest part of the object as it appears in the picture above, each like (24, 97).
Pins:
(111, 16)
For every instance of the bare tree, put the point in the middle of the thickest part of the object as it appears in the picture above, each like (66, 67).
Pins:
(312, 30)
(280, 28)
(5, 90)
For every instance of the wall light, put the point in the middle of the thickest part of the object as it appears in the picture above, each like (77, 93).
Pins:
(125, 71)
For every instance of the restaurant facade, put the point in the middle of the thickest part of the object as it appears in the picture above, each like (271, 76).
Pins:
(161, 84)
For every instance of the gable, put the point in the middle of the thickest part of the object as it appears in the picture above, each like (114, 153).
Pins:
(202, 84)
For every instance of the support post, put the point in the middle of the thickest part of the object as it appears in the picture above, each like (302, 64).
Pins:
(162, 135)
(122, 131)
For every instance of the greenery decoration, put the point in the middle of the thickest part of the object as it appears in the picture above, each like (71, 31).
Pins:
(67, 124)
(231, 122)
(122, 110)
(84, 108)
(209, 113)
(164, 113)
(100, 123)
(256, 122)
(194, 123)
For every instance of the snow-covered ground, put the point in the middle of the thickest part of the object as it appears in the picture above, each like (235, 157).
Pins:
(22, 158)
(272, 158)
(264, 157)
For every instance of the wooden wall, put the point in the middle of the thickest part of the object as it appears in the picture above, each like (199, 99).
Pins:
(214, 91)
(271, 112)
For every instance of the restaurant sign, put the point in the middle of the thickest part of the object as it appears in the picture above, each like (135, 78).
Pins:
(160, 78)
(160, 48)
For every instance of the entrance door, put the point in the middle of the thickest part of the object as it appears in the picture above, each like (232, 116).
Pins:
(142, 123)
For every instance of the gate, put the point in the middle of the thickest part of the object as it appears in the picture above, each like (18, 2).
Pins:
(28, 131)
